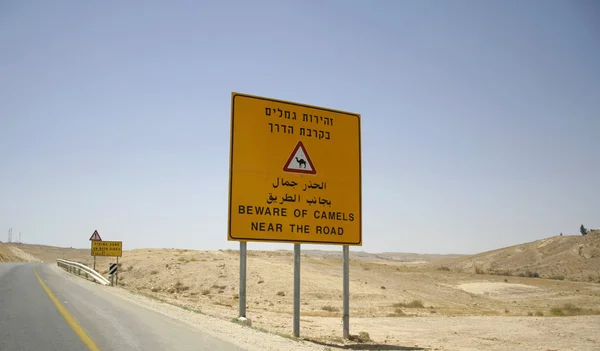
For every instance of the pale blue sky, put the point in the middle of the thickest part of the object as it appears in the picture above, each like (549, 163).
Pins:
(480, 119)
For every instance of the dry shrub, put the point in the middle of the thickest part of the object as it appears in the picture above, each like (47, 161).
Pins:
(412, 304)
(330, 308)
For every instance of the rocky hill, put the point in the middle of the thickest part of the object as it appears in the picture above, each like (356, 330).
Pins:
(559, 257)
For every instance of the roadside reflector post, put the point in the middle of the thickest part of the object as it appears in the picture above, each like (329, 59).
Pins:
(113, 270)
(346, 292)
(243, 279)
(297, 290)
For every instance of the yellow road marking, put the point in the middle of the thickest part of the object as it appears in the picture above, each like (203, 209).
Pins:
(69, 318)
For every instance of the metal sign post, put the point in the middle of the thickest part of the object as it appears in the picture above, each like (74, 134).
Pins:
(297, 290)
(346, 292)
(243, 279)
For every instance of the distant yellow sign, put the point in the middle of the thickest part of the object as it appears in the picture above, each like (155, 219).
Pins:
(107, 248)
(295, 173)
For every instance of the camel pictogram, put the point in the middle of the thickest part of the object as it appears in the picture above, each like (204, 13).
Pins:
(301, 162)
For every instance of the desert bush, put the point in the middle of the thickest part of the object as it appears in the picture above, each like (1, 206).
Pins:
(505, 273)
(280, 293)
(155, 289)
(383, 287)
(236, 296)
(412, 304)
(330, 308)
(479, 270)
(443, 268)
(529, 274)
(530, 314)
(397, 313)
(154, 272)
(205, 292)
(179, 287)
(539, 313)
(361, 337)
(571, 309)
(532, 274)
(129, 268)
(261, 281)
(558, 277)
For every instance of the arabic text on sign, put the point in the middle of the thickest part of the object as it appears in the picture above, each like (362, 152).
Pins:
(310, 185)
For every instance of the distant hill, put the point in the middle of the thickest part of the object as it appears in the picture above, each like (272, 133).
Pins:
(559, 257)
(381, 257)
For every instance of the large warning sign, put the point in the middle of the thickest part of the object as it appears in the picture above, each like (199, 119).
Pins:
(295, 173)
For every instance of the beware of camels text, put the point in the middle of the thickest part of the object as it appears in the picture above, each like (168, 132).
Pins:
(299, 161)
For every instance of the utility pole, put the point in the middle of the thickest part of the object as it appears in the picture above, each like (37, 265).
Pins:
(20, 242)
(9, 235)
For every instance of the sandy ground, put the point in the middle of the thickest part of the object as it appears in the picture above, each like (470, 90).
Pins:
(460, 311)
(401, 305)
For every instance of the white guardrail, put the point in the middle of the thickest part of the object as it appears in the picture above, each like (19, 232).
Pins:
(78, 268)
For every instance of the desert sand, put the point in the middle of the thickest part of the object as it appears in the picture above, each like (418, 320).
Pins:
(403, 302)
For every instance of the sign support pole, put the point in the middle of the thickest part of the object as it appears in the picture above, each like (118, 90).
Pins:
(346, 292)
(117, 274)
(243, 279)
(297, 290)
(94, 262)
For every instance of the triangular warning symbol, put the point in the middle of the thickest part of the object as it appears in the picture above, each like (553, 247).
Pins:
(95, 236)
(299, 161)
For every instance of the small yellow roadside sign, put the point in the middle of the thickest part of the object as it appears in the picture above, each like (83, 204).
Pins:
(107, 248)
(295, 173)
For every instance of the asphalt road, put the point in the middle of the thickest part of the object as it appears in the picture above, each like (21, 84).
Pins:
(99, 320)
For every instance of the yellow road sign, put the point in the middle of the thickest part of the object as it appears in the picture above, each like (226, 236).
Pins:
(107, 248)
(295, 173)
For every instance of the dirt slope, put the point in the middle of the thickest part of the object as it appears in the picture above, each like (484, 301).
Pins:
(13, 253)
(51, 253)
(568, 257)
